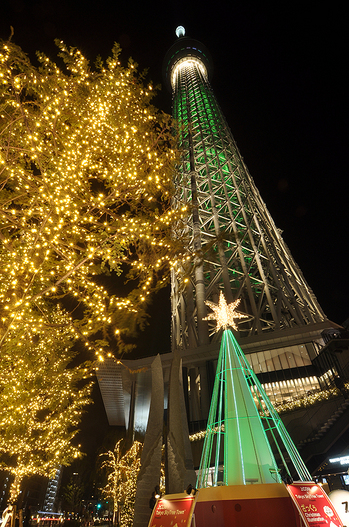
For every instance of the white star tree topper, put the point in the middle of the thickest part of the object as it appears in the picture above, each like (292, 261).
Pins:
(223, 313)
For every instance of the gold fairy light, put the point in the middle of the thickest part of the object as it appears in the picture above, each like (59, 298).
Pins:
(224, 314)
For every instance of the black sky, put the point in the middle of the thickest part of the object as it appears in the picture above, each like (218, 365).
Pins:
(280, 73)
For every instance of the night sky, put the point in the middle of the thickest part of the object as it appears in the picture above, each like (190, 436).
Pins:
(279, 76)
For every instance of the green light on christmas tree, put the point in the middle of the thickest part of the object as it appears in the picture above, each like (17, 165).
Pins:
(244, 432)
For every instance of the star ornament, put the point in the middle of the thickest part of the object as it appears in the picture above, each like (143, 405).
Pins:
(224, 313)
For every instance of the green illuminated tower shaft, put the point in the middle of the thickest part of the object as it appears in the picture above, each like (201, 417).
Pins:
(233, 241)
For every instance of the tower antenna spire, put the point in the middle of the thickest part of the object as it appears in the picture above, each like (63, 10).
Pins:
(180, 31)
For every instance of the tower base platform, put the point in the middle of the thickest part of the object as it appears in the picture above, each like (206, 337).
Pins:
(252, 505)
(259, 505)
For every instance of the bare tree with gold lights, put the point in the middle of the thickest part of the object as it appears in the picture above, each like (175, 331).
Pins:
(122, 472)
(85, 181)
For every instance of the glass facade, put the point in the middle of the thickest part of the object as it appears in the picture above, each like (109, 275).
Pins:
(283, 390)
(279, 359)
(291, 389)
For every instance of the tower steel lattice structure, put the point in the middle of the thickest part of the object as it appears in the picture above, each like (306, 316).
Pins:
(232, 241)
(284, 350)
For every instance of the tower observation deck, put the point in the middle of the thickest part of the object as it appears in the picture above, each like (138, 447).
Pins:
(232, 242)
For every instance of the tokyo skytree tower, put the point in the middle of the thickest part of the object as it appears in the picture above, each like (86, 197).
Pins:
(232, 242)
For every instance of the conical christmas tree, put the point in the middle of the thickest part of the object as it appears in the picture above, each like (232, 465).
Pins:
(245, 434)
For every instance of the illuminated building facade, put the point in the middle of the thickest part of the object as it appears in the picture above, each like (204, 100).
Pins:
(52, 492)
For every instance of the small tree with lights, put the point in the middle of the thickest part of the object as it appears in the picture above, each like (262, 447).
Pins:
(85, 181)
(122, 472)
